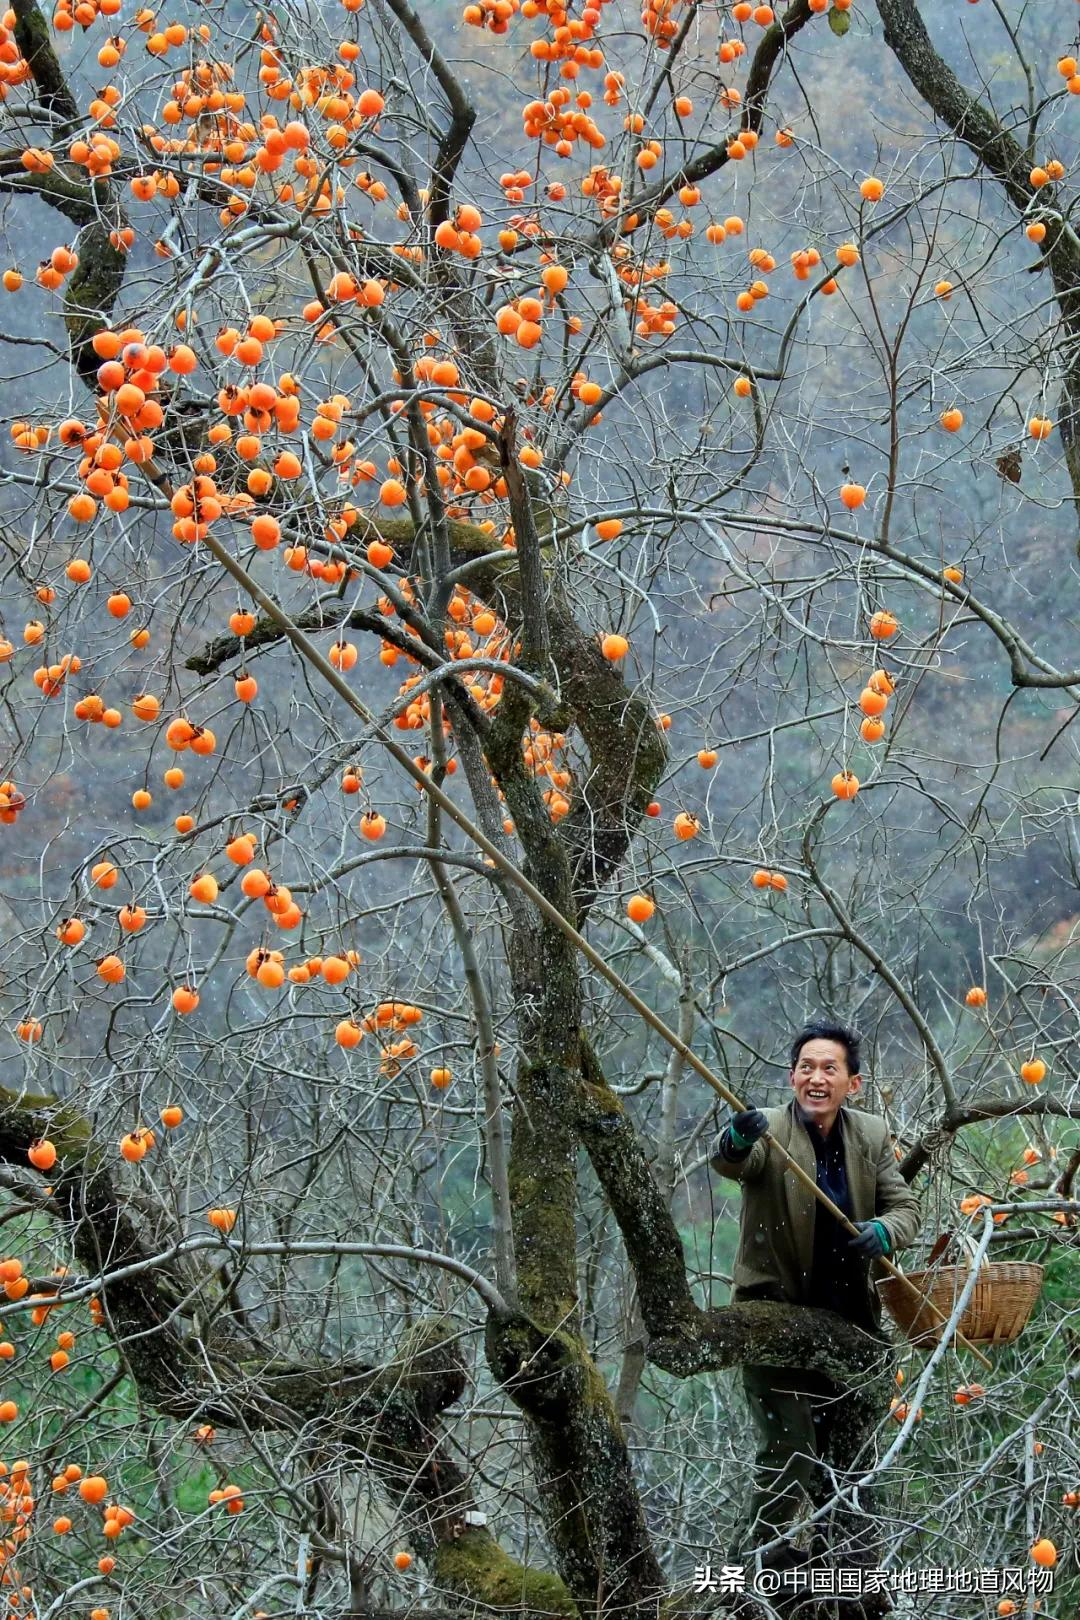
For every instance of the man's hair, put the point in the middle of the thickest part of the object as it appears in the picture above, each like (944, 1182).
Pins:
(827, 1029)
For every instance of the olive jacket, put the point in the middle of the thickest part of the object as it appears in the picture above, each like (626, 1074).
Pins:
(776, 1235)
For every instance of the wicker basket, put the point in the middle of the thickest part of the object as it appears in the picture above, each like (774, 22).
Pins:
(997, 1311)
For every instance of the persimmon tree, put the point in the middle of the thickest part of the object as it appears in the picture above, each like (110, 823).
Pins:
(504, 514)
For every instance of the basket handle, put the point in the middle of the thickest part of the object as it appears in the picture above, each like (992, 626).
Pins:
(967, 1242)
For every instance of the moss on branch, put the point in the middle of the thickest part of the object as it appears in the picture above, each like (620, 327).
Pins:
(474, 1566)
(773, 1335)
(469, 542)
(90, 296)
(589, 1495)
(59, 187)
(32, 38)
(627, 755)
(652, 1240)
(543, 1186)
(427, 1366)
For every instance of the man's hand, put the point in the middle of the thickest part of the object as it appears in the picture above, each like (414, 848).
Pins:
(872, 1241)
(746, 1127)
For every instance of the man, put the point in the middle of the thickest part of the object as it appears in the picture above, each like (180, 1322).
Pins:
(792, 1249)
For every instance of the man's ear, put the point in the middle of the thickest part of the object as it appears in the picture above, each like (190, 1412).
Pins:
(854, 1084)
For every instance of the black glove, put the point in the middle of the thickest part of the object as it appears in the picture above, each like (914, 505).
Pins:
(872, 1241)
(747, 1127)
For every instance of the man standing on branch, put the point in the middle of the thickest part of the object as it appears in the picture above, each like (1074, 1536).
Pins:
(791, 1249)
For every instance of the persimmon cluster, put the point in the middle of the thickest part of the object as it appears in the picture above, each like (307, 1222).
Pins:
(98, 151)
(267, 967)
(388, 1017)
(521, 320)
(136, 1144)
(83, 12)
(458, 235)
(257, 884)
(230, 1495)
(203, 94)
(27, 438)
(11, 803)
(417, 715)
(539, 751)
(93, 709)
(654, 320)
(649, 153)
(559, 124)
(659, 20)
(93, 1489)
(128, 409)
(394, 1056)
(51, 272)
(604, 187)
(763, 15)
(567, 48)
(394, 1015)
(635, 273)
(670, 227)
(17, 1511)
(14, 68)
(48, 678)
(493, 15)
(475, 632)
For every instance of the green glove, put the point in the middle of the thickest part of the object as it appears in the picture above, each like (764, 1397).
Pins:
(872, 1241)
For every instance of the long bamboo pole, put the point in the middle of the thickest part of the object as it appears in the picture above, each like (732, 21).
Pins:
(513, 873)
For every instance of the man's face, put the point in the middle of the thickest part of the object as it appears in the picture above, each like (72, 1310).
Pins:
(821, 1081)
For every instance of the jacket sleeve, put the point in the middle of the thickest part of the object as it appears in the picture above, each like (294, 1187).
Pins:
(745, 1167)
(895, 1204)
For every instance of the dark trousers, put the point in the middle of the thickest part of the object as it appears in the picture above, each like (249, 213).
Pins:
(794, 1413)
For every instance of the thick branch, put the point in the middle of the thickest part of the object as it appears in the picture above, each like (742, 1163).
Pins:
(599, 1530)
(969, 120)
(971, 1113)
(91, 294)
(653, 1245)
(32, 38)
(627, 754)
(387, 1415)
(71, 197)
(462, 112)
(467, 540)
(713, 158)
(140, 1310)
(536, 636)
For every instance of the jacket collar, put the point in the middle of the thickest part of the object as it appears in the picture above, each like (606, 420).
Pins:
(839, 1124)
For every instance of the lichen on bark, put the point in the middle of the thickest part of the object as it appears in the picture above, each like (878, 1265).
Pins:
(91, 294)
(588, 1493)
(474, 1566)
